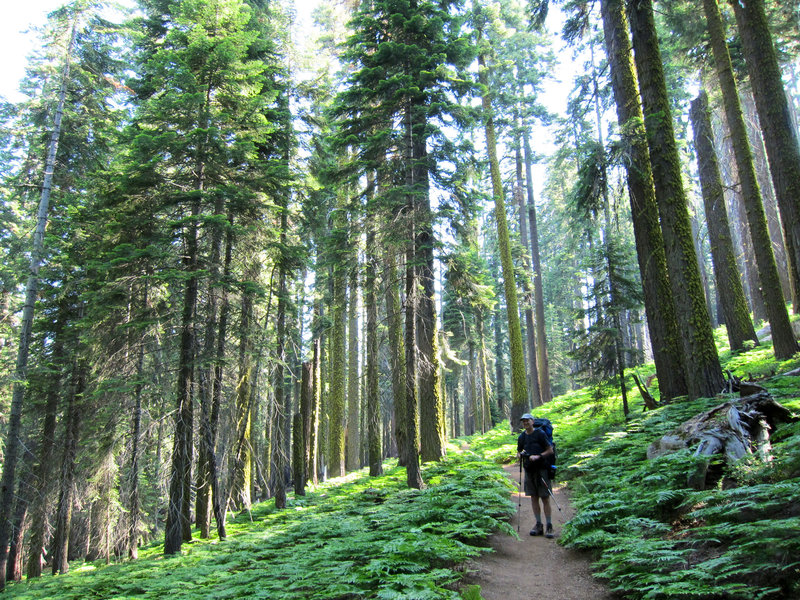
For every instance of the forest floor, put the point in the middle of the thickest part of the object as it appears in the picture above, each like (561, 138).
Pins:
(533, 567)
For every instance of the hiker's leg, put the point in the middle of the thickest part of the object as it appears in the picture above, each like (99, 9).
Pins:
(536, 512)
(546, 508)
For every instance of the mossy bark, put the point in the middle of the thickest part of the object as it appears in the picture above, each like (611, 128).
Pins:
(336, 406)
(784, 343)
(704, 378)
(726, 272)
(353, 433)
(659, 306)
(396, 351)
(780, 137)
(373, 404)
(431, 404)
(530, 326)
(519, 387)
(543, 360)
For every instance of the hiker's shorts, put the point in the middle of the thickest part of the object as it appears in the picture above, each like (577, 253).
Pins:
(537, 483)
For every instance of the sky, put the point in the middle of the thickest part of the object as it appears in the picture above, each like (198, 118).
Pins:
(16, 45)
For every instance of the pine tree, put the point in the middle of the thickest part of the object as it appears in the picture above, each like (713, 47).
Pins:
(784, 343)
(780, 137)
(402, 75)
(704, 379)
(737, 317)
(519, 392)
(659, 305)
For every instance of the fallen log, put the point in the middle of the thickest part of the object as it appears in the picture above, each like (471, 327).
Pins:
(735, 428)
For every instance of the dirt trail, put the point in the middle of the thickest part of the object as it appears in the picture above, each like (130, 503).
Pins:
(535, 566)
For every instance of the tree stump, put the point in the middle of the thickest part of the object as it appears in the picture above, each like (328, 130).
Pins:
(734, 429)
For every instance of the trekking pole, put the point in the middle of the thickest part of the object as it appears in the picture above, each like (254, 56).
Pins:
(550, 491)
(519, 496)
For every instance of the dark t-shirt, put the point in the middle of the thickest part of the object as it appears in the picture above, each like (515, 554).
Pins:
(533, 443)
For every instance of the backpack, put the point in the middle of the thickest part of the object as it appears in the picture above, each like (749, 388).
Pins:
(546, 427)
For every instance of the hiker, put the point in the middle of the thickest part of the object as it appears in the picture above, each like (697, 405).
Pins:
(532, 448)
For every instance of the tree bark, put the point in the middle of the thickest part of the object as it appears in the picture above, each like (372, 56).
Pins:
(353, 441)
(279, 458)
(338, 342)
(374, 447)
(729, 284)
(776, 234)
(499, 370)
(530, 328)
(519, 391)
(784, 344)
(543, 361)
(242, 469)
(659, 306)
(780, 137)
(12, 442)
(704, 379)
(43, 469)
(63, 521)
(306, 417)
(178, 526)
(431, 405)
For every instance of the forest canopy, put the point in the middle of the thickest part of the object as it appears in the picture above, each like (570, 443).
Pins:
(239, 256)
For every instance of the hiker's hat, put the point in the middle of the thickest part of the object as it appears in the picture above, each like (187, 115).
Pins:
(526, 416)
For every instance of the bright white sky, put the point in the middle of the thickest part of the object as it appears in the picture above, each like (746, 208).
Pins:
(15, 45)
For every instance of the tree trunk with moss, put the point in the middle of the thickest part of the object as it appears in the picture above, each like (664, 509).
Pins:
(780, 136)
(784, 343)
(519, 387)
(394, 320)
(353, 433)
(530, 327)
(704, 378)
(338, 343)
(543, 360)
(412, 288)
(373, 404)
(242, 474)
(659, 306)
(726, 272)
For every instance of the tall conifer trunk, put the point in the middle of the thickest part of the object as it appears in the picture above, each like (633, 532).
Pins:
(726, 272)
(411, 397)
(543, 360)
(784, 343)
(394, 318)
(660, 309)
(44, 467)
(338, 365)
(780, 136)
(519, 391)
(373, 406)
(704, 379)
(281, 405)
(530, 328)
(63, 519)
(353, 441)
(12, 442)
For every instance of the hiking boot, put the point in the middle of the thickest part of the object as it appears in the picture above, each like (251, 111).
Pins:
(549, 531)
(538, 530)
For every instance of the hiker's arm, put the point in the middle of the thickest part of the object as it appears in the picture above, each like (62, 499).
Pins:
(547, 452)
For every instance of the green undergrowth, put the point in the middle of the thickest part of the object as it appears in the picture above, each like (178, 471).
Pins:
(361, 538)
(653, 536)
